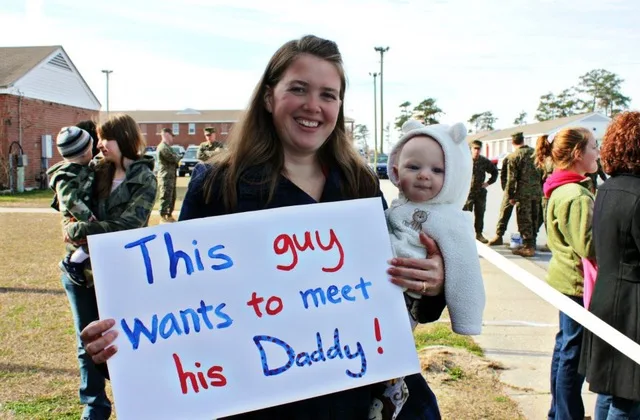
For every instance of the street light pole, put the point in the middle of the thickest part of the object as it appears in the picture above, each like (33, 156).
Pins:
(375, 118)
(381, 50)
(107, 73)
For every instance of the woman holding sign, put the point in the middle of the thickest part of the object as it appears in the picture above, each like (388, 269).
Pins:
(291, 148)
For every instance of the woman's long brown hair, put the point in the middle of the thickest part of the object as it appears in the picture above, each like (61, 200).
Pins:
(253, 141)
(125, 131)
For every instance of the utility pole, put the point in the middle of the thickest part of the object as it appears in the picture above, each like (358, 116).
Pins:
(107, 73)
(375, 118)
(381, 50)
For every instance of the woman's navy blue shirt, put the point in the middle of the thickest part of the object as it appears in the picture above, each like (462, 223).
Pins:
(352, 404)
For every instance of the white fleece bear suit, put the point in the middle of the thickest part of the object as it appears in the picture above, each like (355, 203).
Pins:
(443, 219)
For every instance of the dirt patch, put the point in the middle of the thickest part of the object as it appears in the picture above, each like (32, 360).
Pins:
(467, 386)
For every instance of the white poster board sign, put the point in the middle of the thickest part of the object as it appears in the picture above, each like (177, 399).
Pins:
(225, 315)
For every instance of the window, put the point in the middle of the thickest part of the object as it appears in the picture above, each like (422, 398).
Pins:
(175, 129)
(158, 129)
(143, 129)
(224, 128)
(192, 129)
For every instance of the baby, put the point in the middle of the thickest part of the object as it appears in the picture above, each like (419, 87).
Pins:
(72, 181)
(431, 166)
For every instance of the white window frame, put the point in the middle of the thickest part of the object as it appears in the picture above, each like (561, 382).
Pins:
(192, 129)
(175, 128)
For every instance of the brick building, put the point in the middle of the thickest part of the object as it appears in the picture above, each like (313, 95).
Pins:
(40, 92)
(188, 125)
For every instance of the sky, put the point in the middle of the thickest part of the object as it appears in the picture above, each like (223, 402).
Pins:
(470, 55)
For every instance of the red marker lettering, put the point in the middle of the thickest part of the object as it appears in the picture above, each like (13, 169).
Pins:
(285, 244)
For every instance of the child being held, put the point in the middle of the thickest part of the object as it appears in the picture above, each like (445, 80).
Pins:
(431, 166)
(72, 181)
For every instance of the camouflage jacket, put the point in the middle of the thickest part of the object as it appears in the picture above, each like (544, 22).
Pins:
(206, 150)
(167, 160)
(547, 169)
(481, 167)
(72, 184)
(523, 177)
(127, 207)
(504, 172)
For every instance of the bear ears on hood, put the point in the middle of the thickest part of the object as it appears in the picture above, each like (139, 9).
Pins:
(442, 133)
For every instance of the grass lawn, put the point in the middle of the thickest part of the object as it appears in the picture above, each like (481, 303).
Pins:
(42, 198)
(38, 366)
(33, 198)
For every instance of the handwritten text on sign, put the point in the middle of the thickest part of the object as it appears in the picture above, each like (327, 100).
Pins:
(224, 315)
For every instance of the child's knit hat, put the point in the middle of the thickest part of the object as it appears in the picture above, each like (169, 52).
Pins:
(73, 141)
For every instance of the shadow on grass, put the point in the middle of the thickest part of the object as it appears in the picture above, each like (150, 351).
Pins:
(29, 290)
(12, 370)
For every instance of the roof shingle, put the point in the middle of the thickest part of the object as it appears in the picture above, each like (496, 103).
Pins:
(15, 62)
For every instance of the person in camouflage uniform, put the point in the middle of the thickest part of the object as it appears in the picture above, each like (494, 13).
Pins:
(477, 199)
(524, 188)
(209, 147)
(168, 161)
(72, 183)
(123, 197)
(506, 208)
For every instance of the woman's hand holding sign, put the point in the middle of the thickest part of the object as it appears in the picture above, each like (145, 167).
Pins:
(98, 342)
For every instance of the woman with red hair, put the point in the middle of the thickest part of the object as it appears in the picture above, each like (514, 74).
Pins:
(616, 298)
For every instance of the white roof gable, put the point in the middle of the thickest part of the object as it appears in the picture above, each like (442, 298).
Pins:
(55, 79)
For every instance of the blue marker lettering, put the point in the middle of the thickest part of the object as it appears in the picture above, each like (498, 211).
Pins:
(228, 261)
(140, 328)
(145, 254)
(175, 256)
(227, 319)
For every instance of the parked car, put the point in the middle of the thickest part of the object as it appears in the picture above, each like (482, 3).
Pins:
(188, 161)
(178, 149)
(381, 166)
(150, 151)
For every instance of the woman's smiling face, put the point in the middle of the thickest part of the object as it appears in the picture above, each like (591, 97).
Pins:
(305, 104)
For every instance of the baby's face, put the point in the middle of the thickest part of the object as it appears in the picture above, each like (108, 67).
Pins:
(420, 169)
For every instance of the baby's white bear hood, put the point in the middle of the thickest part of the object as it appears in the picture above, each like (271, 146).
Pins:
(457, 159)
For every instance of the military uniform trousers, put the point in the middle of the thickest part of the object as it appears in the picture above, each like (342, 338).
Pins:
(477, 203)
(506, 209)
(528, 217)
(167, 194)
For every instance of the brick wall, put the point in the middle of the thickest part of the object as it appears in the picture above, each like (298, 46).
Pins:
(38, 118)
(183, 138)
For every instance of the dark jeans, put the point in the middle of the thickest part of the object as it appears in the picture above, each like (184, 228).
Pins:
(423, 405)
(614, 408)
(92, 394)
(477, 203)
(566, 382)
